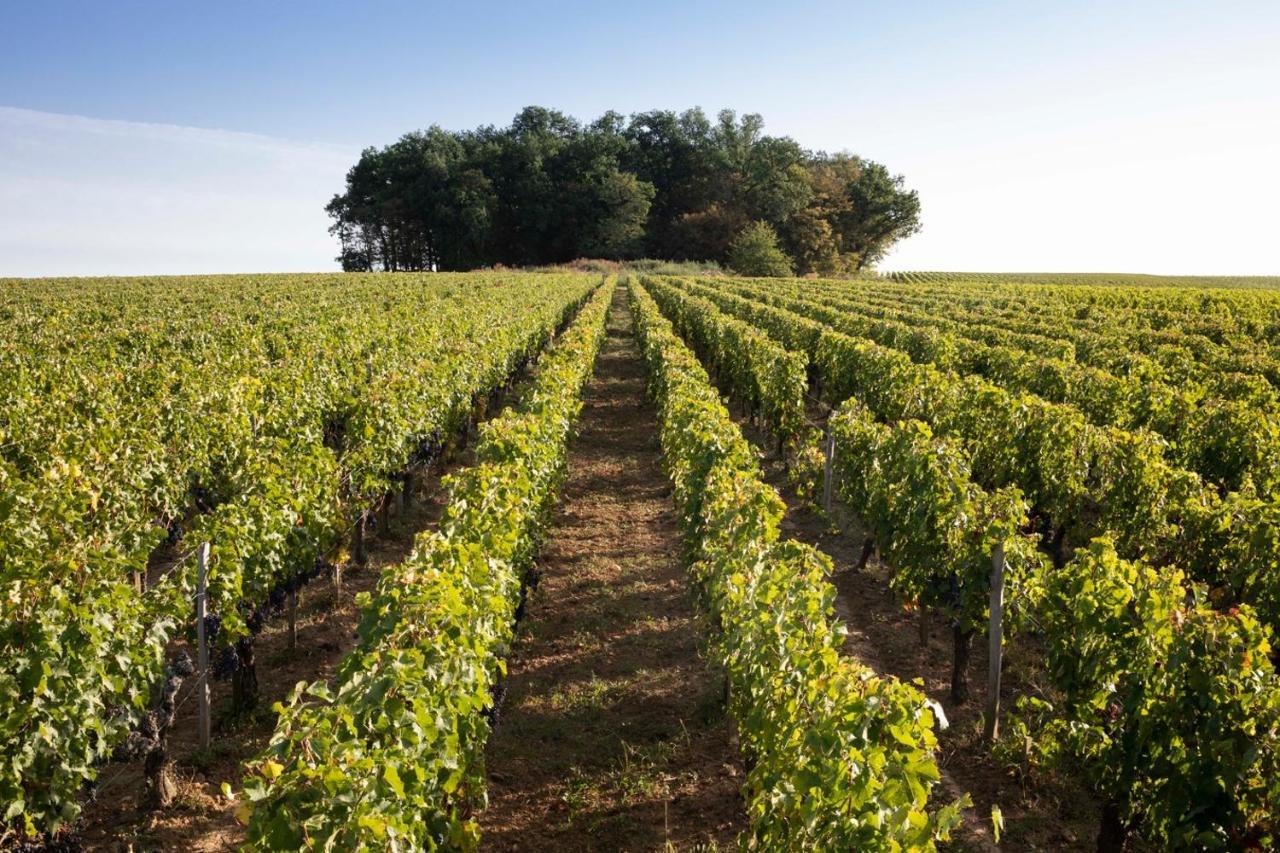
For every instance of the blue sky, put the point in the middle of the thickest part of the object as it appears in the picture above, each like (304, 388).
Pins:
(181, 137)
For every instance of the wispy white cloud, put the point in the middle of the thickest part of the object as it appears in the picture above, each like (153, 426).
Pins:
(86, 196)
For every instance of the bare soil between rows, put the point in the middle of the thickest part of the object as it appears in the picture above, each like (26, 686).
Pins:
(613, 735)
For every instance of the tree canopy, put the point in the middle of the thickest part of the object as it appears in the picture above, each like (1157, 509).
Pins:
(755, 252)
(548, 189)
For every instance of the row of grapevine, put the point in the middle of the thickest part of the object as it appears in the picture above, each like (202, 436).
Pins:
(1225, 441)
(1082, 481)
(390, 756)
(1228, 354)
(1128, 648)
(1169, 347)
(767, 378)
(1170, 706)
(1157, 340)
(266, 435)
(1098, 327)
(839, 758)
(1094, 281)
(934, 526)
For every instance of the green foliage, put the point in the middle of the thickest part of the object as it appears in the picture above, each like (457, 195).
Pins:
(754, 251)
(1171, 707)
(262, 414)
(265, 414)
(391, 755)
(656, 267)
(767, 378)
(842, 758)
(1123, 281)
(612, 224)
(934, 526)
(1083, 479)
(547, 189)
(1168, 695)
(880, 213)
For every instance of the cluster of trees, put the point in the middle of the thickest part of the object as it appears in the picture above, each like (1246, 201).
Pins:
(549, 189)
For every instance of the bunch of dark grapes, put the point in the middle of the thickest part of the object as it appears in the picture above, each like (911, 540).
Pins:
(494, 712)
(256, 620)
(212, 628)
(65, 844)
(225, 663)
(275, 598)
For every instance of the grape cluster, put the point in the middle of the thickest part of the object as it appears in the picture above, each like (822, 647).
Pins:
(212, 628)
(493, 713)
(225, 663)
(68, 844)
(276, 598)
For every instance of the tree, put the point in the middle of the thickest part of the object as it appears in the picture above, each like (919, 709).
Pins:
(674, 154)
(775, 180)
(812, 241)
(547, 189)
(755, 252)
(881, 214)
(616, 206)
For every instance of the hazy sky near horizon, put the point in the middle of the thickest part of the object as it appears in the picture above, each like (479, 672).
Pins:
(150, 137)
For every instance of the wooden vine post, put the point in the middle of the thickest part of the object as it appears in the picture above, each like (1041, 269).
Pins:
(995, 633)
(202, 644)
(358, 552)
(828, 470)
(293, 618)
(406, 493)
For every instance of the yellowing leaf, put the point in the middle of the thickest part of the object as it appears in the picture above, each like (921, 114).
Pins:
(393, 779)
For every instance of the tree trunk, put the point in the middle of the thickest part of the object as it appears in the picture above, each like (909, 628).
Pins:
(244, 681)
(960, 667)
(1113, 832)
(160, 788)
(868, 548)
(359, 554)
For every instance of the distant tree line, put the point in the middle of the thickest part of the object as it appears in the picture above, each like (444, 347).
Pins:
(549, 189)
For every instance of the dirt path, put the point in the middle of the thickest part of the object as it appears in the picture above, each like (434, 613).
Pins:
(612, 736)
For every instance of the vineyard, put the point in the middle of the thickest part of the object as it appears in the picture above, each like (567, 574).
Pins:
(947, 561)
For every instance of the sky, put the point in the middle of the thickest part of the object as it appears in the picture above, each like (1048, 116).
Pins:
(161, 137)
